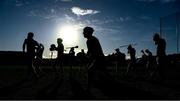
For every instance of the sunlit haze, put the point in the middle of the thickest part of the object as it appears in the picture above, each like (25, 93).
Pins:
(69, 34)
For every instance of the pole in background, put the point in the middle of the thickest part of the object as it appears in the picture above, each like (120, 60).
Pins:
(161, 26)
(177, 34)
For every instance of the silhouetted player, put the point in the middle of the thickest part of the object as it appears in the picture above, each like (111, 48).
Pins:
(143, 60)
(72, 56)
(120, 58)
(30, 45)
(82, 57)
(72, 52)
(132, 62)
(95, 54)
(71, 60)
(150, 62)
(60, 54)
(160, 54)
(149, 59)
(40, 51)
(144, 56)
(39, 57)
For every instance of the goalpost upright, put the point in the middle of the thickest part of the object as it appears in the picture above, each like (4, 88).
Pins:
(163, 21)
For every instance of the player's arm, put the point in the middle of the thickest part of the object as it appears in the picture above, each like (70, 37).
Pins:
(128, 52)
(24, 45)
(91, 64)
(42, 46)
(37, 45)
(63, 49)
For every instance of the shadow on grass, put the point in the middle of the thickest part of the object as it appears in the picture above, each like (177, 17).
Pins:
(10, 89)
(117, 91)
(78, 91)
(51, 90)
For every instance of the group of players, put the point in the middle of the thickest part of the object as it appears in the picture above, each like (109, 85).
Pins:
(94, 54)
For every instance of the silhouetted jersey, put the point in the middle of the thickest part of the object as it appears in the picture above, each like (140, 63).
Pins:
(161, 48)
(132, 53)
(60, 50)
(94, 48)
(81, 55)
(150, 57)
(150, 54)
(31, 46)
(72, 53)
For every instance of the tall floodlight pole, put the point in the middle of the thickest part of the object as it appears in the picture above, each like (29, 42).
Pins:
(161, 26)
(177, 34)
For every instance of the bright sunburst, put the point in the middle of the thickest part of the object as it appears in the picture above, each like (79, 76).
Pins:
(69, 34)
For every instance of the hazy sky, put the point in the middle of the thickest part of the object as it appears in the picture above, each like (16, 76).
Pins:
(116, 22)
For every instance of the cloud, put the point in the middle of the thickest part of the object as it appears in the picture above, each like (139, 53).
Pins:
(19, 3)
(32, 13)
(63, 0)
(145, 17)
(81, 12)
(53, 11)
(146, 0)
(16, 3)
(108, 20)
(113, 20)
(69, 18)
(162, 1)
(123, 19)
(167, 1)
(46, 13)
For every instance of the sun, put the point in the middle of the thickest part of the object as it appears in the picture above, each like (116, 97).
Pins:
(69, 34)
